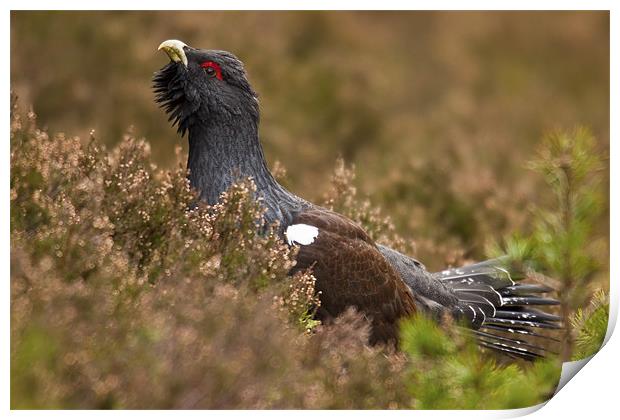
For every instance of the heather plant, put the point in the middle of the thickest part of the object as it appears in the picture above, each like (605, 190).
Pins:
(342, 197)
(128, 293)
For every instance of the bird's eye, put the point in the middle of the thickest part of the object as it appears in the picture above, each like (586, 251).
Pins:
(212, 69)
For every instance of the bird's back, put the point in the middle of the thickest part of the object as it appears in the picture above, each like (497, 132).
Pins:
(350, 271)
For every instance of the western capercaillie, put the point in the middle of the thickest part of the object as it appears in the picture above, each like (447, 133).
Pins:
(207, 95)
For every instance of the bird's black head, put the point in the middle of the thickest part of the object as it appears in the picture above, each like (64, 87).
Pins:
(203, 86)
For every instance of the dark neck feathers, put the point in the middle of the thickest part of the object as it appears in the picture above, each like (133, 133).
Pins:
(223, 151)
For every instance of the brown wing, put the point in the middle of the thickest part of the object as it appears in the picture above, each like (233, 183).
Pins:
(350, 271)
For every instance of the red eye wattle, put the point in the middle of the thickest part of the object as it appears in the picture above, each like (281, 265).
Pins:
(212, 65)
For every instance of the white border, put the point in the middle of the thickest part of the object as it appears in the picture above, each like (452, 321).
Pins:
(318, 5)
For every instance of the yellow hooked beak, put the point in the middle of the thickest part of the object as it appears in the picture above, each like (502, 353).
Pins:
(174, 49)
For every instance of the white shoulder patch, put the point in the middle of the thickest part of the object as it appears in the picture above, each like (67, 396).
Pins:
(301, 234)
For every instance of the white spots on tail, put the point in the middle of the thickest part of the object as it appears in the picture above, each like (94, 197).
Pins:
(474, 311)
(301, 234)
(501, 299)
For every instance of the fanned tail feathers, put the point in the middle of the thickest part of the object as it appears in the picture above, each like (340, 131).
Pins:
(500, 311)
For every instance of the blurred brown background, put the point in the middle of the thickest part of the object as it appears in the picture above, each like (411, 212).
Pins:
(439, 111)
